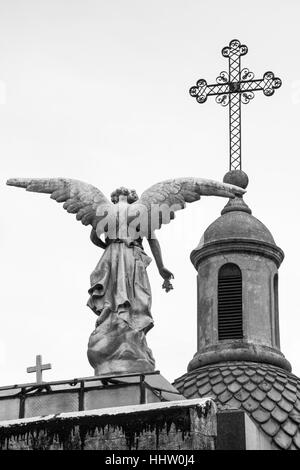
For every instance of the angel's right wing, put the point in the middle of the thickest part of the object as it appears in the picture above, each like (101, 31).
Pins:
(86, 201)
(158, 204)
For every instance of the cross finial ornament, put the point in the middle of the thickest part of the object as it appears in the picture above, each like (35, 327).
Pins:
(38, 369)
(233, 88)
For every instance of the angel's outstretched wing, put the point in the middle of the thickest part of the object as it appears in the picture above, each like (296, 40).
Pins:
(163, 199)
(82, 199)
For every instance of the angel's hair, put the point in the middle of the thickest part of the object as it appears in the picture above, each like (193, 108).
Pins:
(130, 193)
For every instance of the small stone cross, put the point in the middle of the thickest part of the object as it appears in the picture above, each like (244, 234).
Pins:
(38, 368)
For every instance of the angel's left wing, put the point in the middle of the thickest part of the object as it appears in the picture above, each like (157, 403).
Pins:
(80, 198)
(162, 200)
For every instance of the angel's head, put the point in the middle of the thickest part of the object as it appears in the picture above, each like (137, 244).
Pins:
(128, 194)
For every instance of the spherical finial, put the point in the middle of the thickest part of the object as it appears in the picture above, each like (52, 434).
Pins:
(236, 177)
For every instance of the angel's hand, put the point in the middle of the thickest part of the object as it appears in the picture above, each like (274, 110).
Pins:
(167, 285)
(166, 275)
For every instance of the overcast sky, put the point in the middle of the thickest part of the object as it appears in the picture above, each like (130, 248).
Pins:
(98, 90)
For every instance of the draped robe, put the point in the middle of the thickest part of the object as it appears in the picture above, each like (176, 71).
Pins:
(119, 284)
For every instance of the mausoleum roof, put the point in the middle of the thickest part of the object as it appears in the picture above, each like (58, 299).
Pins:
(268, 394)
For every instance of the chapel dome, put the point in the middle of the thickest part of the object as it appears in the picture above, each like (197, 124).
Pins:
(237, 230)
(237, 224)
(236, 221)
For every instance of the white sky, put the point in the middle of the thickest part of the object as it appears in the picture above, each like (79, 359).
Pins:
(98, 90)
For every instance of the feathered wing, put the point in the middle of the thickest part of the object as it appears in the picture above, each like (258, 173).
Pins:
(82, 199)
(163, 199)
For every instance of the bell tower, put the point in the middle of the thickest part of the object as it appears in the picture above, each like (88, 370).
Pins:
(237, 261)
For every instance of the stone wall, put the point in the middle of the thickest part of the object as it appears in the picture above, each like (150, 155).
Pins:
(185, 425)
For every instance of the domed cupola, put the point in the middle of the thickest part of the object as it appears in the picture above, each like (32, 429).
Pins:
(237, 261)
(238, 360)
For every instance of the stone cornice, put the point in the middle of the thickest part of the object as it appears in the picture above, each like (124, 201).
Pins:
(237, 245)
(238, 350)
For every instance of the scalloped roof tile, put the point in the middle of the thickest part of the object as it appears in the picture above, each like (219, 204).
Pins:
(296, 439)
(268, 394)
(268, 404)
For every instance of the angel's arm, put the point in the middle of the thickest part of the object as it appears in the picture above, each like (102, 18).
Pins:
(156, 251)
(97, 240)
(164, 272)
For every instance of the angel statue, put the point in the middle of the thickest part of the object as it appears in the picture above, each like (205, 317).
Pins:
(120, 293)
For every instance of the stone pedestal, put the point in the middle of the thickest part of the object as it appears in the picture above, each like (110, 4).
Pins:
(116, 348)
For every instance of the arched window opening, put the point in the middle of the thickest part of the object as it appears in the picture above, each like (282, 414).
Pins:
(276, 311)
(230, 302)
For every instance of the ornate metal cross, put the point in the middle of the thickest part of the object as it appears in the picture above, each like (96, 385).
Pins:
(38, 368)
(234, 88)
